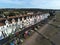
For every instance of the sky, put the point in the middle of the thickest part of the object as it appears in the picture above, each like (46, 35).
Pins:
(44, 4)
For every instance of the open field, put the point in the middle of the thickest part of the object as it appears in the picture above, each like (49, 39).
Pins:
(51, 32)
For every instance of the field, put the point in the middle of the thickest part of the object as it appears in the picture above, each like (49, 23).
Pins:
(50, 31)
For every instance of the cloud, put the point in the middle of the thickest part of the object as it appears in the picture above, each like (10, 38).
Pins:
(46, 3)
(12, 2)
(15, 3)
(49, 4)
